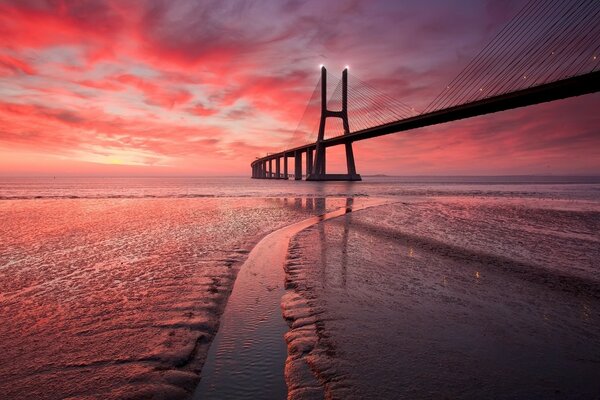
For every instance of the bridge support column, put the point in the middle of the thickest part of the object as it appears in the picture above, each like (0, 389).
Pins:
(309, 162)
(269, 168)
(263, 171)
(277, 168)
(319, 172)
(285, 169)
(350, 160)
(298, 165)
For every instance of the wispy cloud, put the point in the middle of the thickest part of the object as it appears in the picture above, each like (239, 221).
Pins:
(187, 85)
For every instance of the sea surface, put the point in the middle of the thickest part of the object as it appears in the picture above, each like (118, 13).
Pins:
(564, 187)
(451, 287)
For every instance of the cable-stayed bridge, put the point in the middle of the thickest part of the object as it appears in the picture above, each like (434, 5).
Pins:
(549, 51)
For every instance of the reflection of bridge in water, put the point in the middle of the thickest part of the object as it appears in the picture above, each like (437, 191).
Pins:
(335, 269)
(548, 51)
(319, 206)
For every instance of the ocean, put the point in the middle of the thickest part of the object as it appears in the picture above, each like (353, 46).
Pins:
(424, 287)
(567, 187)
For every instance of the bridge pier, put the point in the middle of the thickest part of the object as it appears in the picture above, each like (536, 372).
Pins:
(285, 167)
(319, 173)
(309, 162)
(297, 165)
(277, 168)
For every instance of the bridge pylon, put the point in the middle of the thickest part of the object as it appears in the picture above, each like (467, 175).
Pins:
(319, 170)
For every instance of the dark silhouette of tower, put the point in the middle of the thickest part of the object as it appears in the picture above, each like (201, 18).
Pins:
(318, 171)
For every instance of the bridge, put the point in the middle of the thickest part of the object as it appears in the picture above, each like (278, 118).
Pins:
(549, 51)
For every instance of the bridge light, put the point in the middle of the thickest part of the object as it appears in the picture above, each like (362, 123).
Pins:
(321, 66)
(347, 68)
(480, 89)
(595, 57)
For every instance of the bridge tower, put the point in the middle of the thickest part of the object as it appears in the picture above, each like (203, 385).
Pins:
(319, 172)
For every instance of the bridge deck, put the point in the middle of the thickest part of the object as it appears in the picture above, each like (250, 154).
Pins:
(570, 87)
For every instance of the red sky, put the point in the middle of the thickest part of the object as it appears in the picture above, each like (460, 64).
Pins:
(203, 87)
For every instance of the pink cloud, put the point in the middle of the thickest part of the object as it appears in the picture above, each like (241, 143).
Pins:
(202, 111)
(156, 94)
(12, 66)
(185, 80)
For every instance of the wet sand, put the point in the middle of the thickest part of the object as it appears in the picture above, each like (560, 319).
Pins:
(453, 297)
(447, 298)
(120, 298)
(247, 357)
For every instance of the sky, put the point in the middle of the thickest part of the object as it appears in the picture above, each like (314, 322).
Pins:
(185, 87)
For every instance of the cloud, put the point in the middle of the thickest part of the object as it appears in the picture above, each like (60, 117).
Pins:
(13, 66)
(191, 83)
(64, 132)
(156, 94)
(202, 111)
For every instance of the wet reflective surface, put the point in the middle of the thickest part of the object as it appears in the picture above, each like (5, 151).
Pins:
(114, 289)
(448, 298)
(120, 298)
(247, 357)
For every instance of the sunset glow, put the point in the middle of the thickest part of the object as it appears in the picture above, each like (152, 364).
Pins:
(293, 199)
(202, 88)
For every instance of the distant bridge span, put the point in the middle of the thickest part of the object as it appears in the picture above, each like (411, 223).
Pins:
(571, 87)
(555, 47)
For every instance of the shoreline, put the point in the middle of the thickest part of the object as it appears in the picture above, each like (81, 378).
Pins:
(237, 361)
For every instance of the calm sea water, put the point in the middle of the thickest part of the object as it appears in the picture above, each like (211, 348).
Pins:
(564, 187)
(113, 287)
